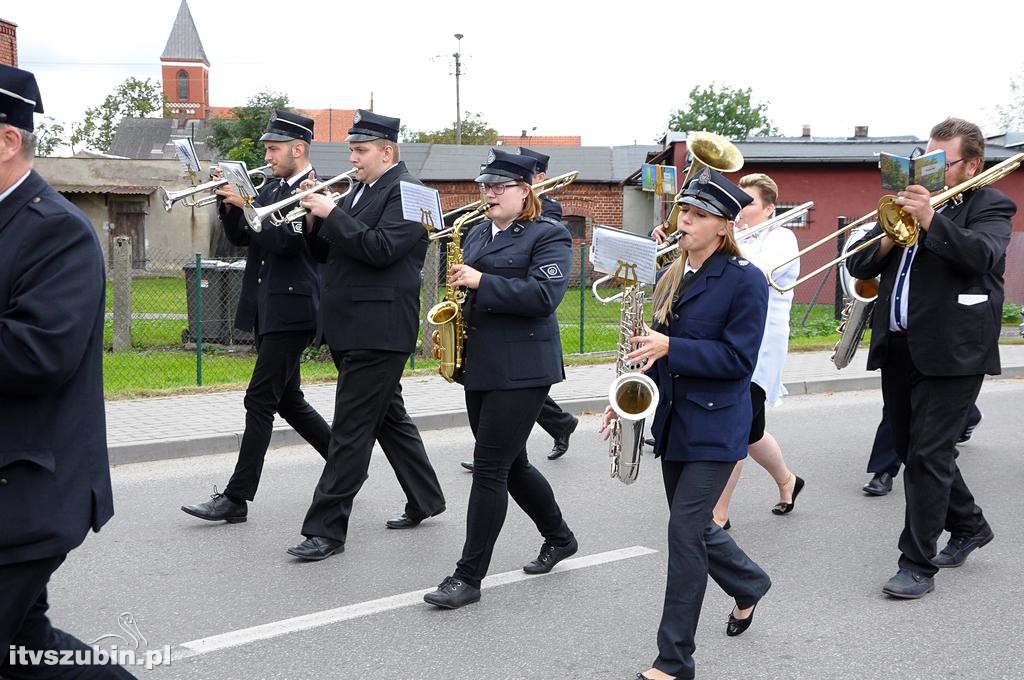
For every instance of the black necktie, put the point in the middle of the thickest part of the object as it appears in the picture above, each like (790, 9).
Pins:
(687, 277)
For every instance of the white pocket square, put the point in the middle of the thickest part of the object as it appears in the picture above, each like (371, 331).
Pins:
(969, 300)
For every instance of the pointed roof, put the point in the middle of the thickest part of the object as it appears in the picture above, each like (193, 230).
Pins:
(184, 42)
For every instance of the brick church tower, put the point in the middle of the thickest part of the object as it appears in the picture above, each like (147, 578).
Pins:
(186, 70)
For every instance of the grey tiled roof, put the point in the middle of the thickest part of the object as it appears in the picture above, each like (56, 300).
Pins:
(454, 163)
(184, 42)
(150, 138)
(821, 150)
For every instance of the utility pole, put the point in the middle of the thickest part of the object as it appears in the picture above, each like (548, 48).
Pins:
(458, 104)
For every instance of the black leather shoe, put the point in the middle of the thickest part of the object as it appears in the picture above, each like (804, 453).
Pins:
(220, 508)
(879, 485)
(562, 442)
(407, 521)
(959, 547)
(550, 555)
(317, 548)
(786, 508)
(467, 465)
(909, 585)
(736, 626)
(452, 594)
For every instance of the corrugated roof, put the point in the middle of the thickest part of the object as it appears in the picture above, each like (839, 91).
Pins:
(184, 42)
(820, 150)
(103, 189)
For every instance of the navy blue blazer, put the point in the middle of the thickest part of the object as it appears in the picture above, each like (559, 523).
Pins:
(54, 473)
(513, 340)
(280, 286)
(704, 382)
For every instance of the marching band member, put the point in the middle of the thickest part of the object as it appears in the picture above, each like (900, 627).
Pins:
(278, 304)
(552, 419)
(709, 311)
(371, 302)
(934, 334)
(766, 250)
(515, 270)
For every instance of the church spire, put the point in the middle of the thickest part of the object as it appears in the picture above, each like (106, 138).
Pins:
(184, 44)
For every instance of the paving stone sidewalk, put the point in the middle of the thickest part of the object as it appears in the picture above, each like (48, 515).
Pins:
(200, 424)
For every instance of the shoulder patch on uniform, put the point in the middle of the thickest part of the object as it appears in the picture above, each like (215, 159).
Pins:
(297, 226)
(552, 271)
(739, 261)
(548, 219)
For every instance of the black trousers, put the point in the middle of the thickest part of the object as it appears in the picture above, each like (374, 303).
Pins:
(697, 548)
(501, 421)
(24, 624)
(274, 388)
(927, 415)
(883, 452)
(368, 406)
(554, 420)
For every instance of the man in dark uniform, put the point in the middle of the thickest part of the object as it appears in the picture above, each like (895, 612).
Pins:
(279, 301)
(934, 334)
(370, 319)
(556, 422)
(54, 473)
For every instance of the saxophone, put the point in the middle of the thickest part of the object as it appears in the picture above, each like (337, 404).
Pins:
(632, 395)
(450, 334)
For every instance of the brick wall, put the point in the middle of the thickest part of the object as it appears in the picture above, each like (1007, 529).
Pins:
(8, 43)
(538, 140)
(197, 105)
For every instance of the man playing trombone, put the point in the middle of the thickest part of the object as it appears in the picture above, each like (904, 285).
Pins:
(371, 301)
(279, 300)
(934, 334)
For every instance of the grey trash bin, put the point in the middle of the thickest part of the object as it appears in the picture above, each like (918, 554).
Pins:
(212, 285)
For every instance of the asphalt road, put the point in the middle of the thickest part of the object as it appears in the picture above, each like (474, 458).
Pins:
(185, 580)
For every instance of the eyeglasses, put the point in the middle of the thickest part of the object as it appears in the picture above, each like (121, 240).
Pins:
(950, 164)
(496, 189)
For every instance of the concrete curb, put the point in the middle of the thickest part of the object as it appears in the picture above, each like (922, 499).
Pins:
(187, 447)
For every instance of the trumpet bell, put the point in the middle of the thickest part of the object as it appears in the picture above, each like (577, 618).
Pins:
(897, 224)
(714, 151)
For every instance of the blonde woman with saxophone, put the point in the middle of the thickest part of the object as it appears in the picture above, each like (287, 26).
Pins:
(766, 249)
(709, 314)
(516, 268)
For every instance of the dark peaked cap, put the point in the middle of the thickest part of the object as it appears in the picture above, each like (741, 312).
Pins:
(712, 192)
(285, 126)
(503, 166)
(367, 126)
(542, 159)
(19, 97)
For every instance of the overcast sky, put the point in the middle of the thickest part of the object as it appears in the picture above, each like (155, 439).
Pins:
(609, 72)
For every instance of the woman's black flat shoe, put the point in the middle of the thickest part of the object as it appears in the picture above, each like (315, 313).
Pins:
(786, 508)
(736, 626)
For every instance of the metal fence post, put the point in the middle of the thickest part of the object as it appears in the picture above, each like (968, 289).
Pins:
(199, 319)
(840, 244)
(122, 276)
(583, 287)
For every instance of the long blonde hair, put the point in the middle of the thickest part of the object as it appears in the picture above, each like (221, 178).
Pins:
(668, 284)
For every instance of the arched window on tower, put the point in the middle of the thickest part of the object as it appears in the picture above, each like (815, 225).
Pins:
(183, 86)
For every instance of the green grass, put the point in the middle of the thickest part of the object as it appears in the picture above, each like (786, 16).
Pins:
(154, 296)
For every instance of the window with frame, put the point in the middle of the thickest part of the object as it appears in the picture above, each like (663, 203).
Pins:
(799, 222)
(183, 85)
(576, 225)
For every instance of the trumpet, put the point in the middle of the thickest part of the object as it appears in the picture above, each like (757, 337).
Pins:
(255, 215)
(897, 225)
(188, 196)
(479, 208)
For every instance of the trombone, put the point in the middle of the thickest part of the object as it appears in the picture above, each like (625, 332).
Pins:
(274, 212)
(895, 223)
(188, 196)
(479, 208)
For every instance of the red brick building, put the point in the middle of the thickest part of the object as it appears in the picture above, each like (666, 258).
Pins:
(185, 69)
(8, 43)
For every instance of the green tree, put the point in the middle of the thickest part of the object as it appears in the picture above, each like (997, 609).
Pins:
(49, 136)
(1011, 116)
(133, 98)
(475, 130)
(724, 110)
(237, 138)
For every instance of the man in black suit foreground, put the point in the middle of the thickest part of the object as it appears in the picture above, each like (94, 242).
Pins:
(370, 318)
(934, 334)
(54, 474)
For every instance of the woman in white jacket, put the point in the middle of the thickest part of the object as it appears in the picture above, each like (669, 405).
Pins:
(767, 250)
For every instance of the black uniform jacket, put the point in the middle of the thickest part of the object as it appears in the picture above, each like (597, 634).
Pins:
(956, 288)
(549, 207)
(513, 340)
(374, 258)
(54, 474)
(280, 287)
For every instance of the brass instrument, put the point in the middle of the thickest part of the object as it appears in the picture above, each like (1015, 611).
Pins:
(707, 150)
(450, 334)
(478, 208)
(187, 196)
(895, 223)
(255, 215)
(632, 395)
(861, 295)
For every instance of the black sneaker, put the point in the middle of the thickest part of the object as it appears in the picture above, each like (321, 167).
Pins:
(969, 430)
(452, 594)
(550, 555)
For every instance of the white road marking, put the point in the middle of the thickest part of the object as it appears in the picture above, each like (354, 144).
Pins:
(266, 631)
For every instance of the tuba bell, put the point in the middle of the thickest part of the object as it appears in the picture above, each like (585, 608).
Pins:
(707, 150)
